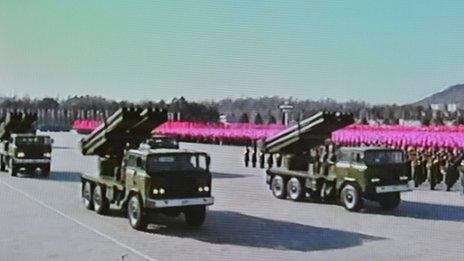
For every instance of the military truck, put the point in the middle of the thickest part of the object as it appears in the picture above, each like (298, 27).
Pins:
(141, 180)
(21, 149)
(350, 174)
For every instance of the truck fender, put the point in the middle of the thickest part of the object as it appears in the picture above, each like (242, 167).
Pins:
(130, 193)
(341, 183)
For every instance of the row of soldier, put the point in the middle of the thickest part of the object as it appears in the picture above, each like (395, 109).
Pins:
(317, 160)
(435, 165)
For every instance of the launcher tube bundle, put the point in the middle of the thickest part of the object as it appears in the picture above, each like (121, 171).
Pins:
(308, 133)
(19, 123)
(126, 127)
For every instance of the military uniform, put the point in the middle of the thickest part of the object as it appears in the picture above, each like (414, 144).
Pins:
(246, 157)
(435, 173)
(452, 174)
(418, 172)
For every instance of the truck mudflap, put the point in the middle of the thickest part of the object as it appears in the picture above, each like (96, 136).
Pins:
(183, 202)
(392, 188)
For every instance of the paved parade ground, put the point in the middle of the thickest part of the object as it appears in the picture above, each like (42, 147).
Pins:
(43, 219)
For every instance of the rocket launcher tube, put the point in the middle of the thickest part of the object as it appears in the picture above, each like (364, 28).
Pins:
(126, 126)
(17, 122)
(309, 133)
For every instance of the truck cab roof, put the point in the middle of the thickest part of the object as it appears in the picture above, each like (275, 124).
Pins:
(147, 152)
(366, 148)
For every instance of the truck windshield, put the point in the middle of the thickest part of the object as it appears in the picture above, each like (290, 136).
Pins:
(383, 157)
(33, 140)
(163, 142)
(172, 163)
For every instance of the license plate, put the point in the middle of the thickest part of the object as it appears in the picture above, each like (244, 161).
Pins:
(392, 188)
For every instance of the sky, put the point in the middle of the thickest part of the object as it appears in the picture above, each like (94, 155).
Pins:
(381, 52)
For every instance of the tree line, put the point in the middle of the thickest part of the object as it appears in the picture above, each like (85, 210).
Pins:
(264, 110)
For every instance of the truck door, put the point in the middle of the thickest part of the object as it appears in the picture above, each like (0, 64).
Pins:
(343, 167)
(130, 171)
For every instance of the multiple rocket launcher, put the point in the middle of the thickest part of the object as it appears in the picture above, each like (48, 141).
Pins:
(17, 122)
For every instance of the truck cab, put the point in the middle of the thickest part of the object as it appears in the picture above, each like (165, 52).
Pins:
(149, 181)
(168, 178)
(26, 153)
(357, 173)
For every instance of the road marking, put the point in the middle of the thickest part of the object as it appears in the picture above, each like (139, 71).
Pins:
(43, 204)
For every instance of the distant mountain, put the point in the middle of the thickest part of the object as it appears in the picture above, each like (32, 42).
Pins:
(452, 94)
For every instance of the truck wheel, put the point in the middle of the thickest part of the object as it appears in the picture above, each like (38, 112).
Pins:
(2, 163)
(278, 187)
(195, 216)
(351, 197)
(294, 189)
(137, 218)
(87, 198)
(100, 202)
(12, 168)
(390, 201)
(46, 172)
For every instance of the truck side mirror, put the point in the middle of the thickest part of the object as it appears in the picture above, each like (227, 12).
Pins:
(208, 162)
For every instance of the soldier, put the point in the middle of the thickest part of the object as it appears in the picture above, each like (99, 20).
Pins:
(246, 157)
(262, 159)
(434, 172)
(423, 164)
(452, 173)
(270, 160)
(317, 162)
(417, 171)
(254, 156)
(278, 160)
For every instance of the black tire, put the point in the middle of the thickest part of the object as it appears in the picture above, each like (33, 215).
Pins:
(12, 168)
(390, 201)
(350, 196)
(100, 202)
(87, 195)
(278, 187)
(135, 214)
(294, 189)
(195, 216)
(46, 172)
(2, 163)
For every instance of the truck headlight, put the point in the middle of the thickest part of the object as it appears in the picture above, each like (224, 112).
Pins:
(47, 154)
(200, 189)
(159, 191)
(21, 154)
(206, 188)
(404, 178)
(375, 180)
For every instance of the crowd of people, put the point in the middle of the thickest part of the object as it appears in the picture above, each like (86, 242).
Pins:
(435, 165)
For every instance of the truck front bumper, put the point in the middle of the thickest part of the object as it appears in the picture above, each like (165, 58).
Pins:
(32, 161)
(183, 202)
(392, 188)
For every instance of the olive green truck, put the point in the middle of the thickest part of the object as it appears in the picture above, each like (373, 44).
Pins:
(347, 174)
(139, 176)
(21, 149)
